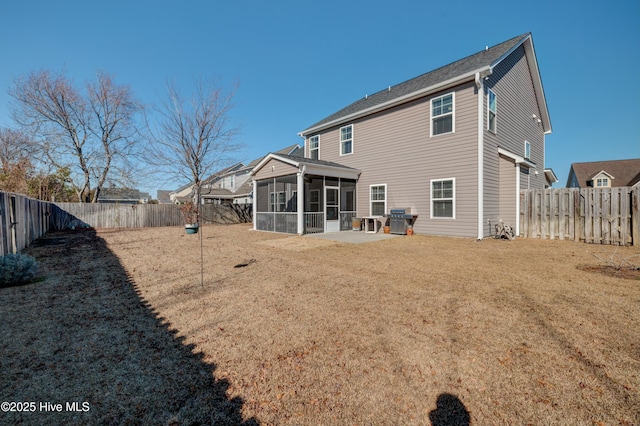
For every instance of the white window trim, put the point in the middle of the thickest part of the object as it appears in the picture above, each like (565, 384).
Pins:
(453, 114)
(495, 131)
(352, 139)
(385, 197)
(453, 199)
(316, 149)
(527, 147)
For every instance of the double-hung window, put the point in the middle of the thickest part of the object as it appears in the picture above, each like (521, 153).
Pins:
(314, 147)
(442, 114)
(346, 139)
(493, 111)
(378, 199)
(443, 203)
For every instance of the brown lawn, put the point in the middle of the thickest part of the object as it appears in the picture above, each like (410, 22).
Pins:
(412, 330)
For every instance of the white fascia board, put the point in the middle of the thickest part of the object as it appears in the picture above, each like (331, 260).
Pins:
(551, 175)
(397, 101)
(515, 157)
(273, 156)
(602, 172)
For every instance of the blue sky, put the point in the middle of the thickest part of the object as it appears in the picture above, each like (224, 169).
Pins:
(299, 61)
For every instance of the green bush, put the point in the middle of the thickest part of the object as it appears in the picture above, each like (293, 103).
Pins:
(17, 269)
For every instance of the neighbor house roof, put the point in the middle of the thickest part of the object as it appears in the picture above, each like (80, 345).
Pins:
(482, 62)
(622, 172)
(294, 150)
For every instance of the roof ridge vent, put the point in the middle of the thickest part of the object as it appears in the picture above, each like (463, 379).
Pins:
(389, 89)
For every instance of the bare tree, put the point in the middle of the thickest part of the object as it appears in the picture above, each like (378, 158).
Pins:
(194, 137)
(91, 135)
(15, 146)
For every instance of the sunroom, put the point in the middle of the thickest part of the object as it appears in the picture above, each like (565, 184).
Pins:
(296, 195)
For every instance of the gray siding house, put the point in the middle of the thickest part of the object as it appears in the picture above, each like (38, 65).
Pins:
(455, 145)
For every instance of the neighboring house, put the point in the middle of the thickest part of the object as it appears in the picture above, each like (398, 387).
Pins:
(231, 184)
(455, 145)
(123, 196)
(164, 196)
(234, 185)
(604, 174)
(551, 177)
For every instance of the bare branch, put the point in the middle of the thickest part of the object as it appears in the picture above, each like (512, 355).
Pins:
(87, 135)
(193, 138)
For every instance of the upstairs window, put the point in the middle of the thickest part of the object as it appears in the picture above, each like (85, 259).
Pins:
(346, 140)
(493, 111)
(314, 147)
(442, 114)
(527, 150)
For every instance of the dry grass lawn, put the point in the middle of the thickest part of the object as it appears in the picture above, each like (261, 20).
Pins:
(413, 330)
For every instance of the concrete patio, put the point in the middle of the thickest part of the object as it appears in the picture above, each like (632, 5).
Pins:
(353, 237)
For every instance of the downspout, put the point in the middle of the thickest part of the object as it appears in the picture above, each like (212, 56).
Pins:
(517, 199)
(480, 87)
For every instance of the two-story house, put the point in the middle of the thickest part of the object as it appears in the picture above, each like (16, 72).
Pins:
(455, 145)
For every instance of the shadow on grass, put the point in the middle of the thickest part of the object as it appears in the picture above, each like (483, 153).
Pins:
(85, 339)
(450, 411)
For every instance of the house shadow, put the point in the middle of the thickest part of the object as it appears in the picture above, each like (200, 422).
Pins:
(84, 338)
(450, 411)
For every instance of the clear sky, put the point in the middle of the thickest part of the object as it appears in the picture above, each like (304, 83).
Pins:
(299, 61)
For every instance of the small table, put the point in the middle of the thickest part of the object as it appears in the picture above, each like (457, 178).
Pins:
(371, 219)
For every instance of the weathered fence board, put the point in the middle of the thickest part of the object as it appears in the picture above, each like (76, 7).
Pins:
(592, 215)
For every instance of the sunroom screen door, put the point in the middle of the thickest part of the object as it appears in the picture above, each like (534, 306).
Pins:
(332, 209)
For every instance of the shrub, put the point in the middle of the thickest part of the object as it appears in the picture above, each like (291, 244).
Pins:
(17, 269)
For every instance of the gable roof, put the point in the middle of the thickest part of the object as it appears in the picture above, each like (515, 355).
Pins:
(624, 172)
(464, 69)
(311, 166)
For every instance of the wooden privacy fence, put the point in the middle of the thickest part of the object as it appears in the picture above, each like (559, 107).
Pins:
(23, 219)
(592, 215)
(74, 215)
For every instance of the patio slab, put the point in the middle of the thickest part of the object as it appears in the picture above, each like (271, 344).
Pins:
(353, 237)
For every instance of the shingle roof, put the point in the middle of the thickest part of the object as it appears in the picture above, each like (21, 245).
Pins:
(624, 172)
(456, 69)
(311, 161)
